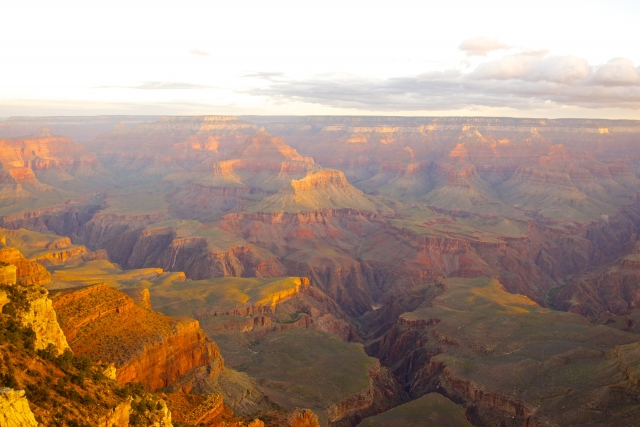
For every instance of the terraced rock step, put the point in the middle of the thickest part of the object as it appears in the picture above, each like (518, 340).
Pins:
(146, 346)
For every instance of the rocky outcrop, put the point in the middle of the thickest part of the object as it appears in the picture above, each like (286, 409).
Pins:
(145, 346)
(41, 150)
(30, 301)
(196, 251)
(266, 305)
(196, 409)
(382, 393)
(27, 272)
(118, 416)
(7, 274)
(208, 411)
(162, 416)
(304, 418)
(14, 409)
(480, 395)
(201, 142)
(320, 180)
(265, 146)
(4, 300)
(61, 255)
(122, 414)
(42, 318)
(140, 296)
(159, 365)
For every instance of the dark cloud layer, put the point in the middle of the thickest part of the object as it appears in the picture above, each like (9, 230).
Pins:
(524, 80)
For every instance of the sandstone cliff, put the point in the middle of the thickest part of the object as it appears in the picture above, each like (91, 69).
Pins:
(146, 347)
(118, 416)
(29, 301)
(42, 318)
(27, 272)
(195, 409)
(14, 409)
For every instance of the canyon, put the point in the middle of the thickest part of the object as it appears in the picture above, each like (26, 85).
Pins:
(328, 271)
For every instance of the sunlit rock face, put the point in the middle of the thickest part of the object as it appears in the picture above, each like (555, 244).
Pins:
(14, 409)
(103, 323)
(24, 280)
(451, 249)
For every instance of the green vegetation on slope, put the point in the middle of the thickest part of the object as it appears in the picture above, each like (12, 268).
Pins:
(187, 298)
(524, 354)
(33, 245)
(430, 410)
(308, 369)
(98, 271)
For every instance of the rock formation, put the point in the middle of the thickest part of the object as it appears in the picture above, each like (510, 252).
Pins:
(146, 347)
(27, 272)
(14, 409)
(489, 328)
(29, 300)
(402, 226)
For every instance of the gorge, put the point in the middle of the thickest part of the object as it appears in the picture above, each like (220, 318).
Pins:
(320, 271)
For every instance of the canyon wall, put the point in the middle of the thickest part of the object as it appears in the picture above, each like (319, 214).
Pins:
(14, 409)
(146, 347)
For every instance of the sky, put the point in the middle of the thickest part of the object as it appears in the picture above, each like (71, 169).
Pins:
(542, 58)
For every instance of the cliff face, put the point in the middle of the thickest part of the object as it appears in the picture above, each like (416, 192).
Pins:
(14, 409)
(146, 347)
(4, 300)
(35, 167)
(42, 318)
(304, 418)
(196, 409)
(118, 416)
(8, 274)
(613, 289)
(382, 394)
(36, 149)
(160, 365)
(320, 180)
(27, 272)
(29, 300)
(617, 291)
(54, 400)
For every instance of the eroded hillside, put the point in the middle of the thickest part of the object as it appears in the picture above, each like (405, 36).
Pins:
(345, 268)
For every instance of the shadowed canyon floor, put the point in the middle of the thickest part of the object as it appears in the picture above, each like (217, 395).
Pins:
(320, 271)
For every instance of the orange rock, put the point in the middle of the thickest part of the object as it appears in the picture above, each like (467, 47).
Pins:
(145, 346)
(304, 418)
(27, 272)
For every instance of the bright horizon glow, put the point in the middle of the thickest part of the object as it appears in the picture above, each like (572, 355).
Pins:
(339, 58)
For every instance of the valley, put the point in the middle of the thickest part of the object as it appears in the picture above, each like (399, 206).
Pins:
(320, 271)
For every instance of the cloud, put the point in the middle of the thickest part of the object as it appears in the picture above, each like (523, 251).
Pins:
(264, 75)
(528, 80)
(198, 52)
(169, 85)
(480, 46)
(162, 86)
(617, 72)
(533, 67)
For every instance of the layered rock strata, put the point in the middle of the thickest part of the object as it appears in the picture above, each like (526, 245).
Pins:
(146, 347)
(29, 300)
(14, 409)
